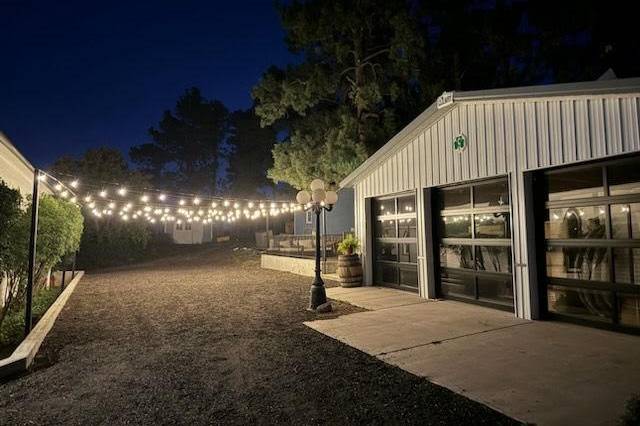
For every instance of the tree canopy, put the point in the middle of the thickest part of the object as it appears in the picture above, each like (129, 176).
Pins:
(184, 150)
(249, 154)
(98, 166)
(366, 68)
(356, 83)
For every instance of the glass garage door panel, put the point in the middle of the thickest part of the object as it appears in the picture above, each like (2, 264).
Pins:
(592, 243)
(395, 243)
(475, 243)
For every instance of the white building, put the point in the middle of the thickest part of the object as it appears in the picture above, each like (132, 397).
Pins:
(525, 199)
(15, 170)
(190, 232)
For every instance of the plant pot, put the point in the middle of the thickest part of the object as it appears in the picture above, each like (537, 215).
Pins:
(349, 270)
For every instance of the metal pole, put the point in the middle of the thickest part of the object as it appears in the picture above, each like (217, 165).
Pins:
(318, 294)
(324, 238)
(64, 272)
(33, 238)
(267, 231)
(73, 268)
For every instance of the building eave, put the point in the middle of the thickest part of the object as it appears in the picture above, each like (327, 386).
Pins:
(433, 113)
(425, 119)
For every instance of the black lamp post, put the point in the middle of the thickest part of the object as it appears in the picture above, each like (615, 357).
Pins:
(316, 201)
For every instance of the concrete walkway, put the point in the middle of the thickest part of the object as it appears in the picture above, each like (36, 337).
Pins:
(547, 373)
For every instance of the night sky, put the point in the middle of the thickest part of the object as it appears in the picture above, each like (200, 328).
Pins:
(79, 74)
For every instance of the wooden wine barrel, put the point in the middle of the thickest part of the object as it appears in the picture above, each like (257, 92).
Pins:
(349, 270)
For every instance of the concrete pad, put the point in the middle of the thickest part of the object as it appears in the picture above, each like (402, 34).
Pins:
(548, 373)
(544, 373)
(399, 328)
(373, 298)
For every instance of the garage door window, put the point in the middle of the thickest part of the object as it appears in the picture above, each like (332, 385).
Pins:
(395, 231)
(592, 242)
(475, 243)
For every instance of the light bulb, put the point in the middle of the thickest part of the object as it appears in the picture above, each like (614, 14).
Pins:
(317, 184)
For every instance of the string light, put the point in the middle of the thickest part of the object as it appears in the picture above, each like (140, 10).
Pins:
(232, 210)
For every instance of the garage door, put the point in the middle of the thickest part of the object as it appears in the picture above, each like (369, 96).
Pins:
(475, 243)
(592, 243)
(395, 244)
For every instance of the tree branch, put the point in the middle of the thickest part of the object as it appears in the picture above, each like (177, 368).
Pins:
(373, 55)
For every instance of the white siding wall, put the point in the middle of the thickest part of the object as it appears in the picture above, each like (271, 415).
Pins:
(15, 170)
(198, 234)
(505, 137)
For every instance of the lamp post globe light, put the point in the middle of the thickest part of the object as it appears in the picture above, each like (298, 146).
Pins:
(317, 200)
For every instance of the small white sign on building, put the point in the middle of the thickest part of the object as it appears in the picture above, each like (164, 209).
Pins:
(445, 99)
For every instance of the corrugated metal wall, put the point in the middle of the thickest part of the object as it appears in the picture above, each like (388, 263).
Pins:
(505, 137)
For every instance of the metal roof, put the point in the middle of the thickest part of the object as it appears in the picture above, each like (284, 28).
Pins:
(433, 113)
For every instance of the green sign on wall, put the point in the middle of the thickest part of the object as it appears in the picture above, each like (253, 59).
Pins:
(460, 143)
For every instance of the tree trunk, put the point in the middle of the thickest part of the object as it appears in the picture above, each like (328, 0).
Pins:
(359, 85)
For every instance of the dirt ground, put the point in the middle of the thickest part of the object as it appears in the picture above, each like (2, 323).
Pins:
(210, 338)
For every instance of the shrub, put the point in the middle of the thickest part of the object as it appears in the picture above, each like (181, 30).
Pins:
(112, 242)
(349, 244)
(12, 329)
(60, 226)
(10, 201)
(631, 415)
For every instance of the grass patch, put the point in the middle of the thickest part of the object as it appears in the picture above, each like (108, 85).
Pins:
(12, 328)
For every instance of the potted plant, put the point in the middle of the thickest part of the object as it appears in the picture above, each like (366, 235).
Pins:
(349, 266)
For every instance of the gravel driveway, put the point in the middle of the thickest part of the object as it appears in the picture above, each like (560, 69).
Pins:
(212, 338)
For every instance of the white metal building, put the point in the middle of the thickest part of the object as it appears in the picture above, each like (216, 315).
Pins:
(526, 199)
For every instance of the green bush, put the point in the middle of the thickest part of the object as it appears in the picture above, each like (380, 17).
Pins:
(631, 415)
(111, 242)
(60, 226)
(12, 328)
(10, 212)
